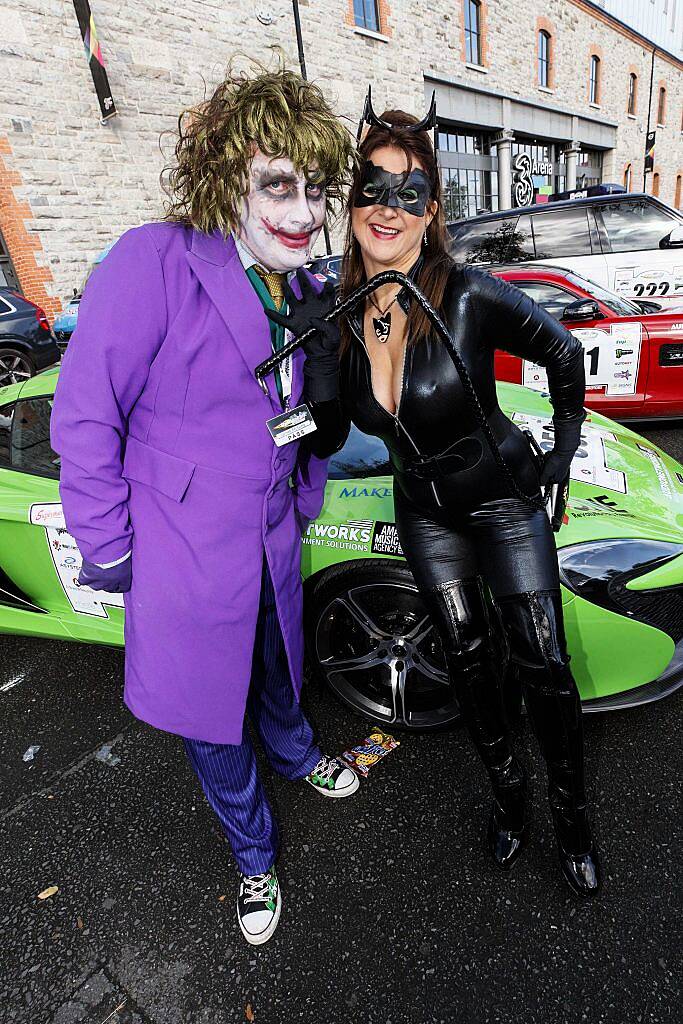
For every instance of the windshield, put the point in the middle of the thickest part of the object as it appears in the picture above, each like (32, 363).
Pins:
(618, 305)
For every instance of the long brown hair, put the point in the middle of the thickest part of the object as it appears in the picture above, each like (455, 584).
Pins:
(436, 263)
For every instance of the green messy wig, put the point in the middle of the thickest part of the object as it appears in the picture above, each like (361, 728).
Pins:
(278, 112)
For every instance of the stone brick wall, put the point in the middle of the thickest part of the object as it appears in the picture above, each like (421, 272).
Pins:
(69, 185)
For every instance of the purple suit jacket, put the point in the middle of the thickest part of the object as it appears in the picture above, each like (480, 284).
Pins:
(161, 427)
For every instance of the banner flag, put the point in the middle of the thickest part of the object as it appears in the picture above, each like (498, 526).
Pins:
(93, 53)
(650, 151)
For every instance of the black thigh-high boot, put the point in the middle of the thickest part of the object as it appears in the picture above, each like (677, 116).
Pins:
(536, 633)
(476, 652)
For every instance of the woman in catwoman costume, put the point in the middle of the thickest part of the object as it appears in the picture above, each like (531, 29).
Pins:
(477, 538)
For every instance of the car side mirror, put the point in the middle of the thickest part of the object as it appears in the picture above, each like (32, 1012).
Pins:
(674, 240)
(582, 309)
(647, 306)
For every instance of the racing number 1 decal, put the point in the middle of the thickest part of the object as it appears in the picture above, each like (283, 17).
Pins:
(612, 359)
(67, 562)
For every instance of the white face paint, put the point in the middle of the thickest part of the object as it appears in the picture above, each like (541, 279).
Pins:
(283, 214)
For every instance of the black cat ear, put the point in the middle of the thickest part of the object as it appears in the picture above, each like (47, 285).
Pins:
(370, 117)
(428, 121)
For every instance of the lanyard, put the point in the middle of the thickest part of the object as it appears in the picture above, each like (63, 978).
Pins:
(286, 373)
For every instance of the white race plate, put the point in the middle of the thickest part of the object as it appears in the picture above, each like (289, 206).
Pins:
(611, 357)
(67, 561)
(590, 462)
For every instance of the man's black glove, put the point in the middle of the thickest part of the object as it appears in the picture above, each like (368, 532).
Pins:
(557, 461)
(321, 369)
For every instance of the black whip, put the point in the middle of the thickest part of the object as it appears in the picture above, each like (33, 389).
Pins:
(350, 303)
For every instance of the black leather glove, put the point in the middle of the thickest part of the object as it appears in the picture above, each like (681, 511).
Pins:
(557, 461)
(321, 369)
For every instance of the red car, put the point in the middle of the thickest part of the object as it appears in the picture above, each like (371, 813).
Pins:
(633, 348)
(634, 351)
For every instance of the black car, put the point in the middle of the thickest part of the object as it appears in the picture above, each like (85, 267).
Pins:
(27, 344)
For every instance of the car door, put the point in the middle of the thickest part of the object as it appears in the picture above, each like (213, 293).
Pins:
(616, 351)
(665, 378)
(39, 560)
(633, 232)
(568, 237)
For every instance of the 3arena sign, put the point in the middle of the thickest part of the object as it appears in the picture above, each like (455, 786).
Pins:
(524, 169)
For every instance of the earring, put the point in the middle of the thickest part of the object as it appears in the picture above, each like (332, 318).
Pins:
(425, 242)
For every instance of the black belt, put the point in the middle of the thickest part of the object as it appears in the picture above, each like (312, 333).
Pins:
(464, 454)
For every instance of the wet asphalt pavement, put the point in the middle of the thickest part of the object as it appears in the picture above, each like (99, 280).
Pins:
(392, 913)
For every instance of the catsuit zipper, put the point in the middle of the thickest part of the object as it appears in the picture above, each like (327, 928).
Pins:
(394, 416)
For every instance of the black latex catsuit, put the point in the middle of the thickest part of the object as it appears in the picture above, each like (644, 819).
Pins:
(467, 533)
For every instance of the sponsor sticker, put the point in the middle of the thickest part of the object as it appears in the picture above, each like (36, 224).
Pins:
(598, 505)
(643, 282)
(67, 561)
(366, 492)
(659, 469)
(353, 535)
(611, 356)
(385, 539)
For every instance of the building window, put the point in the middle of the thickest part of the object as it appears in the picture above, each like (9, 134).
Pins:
(366, 15)
(473, 31)
(627, 177)
(595, 79)
(544, 59)
(589, 168)
(677, 197)
(632, 89)
(467, 190)
(661, 106)
(655, 184)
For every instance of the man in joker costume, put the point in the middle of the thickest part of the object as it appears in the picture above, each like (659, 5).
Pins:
(171, 481)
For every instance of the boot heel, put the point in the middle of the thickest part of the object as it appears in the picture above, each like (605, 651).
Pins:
(582, 871)
(508, 831)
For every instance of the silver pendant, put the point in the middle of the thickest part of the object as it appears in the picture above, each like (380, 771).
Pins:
(382, 326)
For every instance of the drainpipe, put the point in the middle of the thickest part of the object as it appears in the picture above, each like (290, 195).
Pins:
(302, 65)
(649, 108)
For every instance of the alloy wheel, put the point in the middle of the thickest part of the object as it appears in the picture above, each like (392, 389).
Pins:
(380, 653)
(14, 368)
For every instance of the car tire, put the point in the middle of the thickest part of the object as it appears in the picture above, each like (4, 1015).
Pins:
(15, 366)
(370, 640)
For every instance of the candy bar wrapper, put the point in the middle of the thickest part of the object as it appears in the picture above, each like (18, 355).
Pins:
(373, 748)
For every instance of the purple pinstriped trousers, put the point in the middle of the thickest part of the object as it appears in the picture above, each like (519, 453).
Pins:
(228, 772)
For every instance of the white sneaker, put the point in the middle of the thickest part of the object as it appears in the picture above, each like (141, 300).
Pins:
(332, 778)
(258, 906)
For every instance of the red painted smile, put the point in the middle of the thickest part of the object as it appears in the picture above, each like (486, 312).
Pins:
(293, 240)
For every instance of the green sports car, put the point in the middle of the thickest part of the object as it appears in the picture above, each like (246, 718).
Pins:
(368, 636)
